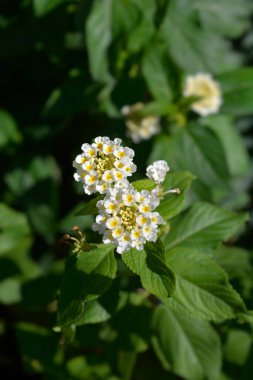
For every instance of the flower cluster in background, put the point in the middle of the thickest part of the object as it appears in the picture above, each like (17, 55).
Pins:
(126, 217)
(207, 89)
(200, 86)
(140, 127)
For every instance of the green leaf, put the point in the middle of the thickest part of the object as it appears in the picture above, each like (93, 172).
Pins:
(196, 149)
(143, 31)
(202, 290)
(41, 7)
(235, 261)
(9, 132)
(15, 233)
(173, 203)
(204, 225)
(144, 184)
(236, 154)
(38, 347)
(98, 39)
(155, 73)
(185, 346)
(237, 88)
(72, 219)
(237, 347)
(125, 17)
(93, 312)
(192, 47)
(126, 361)
(140, 36)
(222, 18)
(86, 277)
(90, 208)
(156, 277)
(10, 291)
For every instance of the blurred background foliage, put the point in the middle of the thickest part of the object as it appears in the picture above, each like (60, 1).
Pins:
(66, 70)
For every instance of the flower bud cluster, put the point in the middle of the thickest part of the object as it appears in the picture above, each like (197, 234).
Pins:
(157, 171)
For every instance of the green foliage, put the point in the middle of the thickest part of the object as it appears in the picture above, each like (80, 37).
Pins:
(8, 130)
(200, 151)
(98, 32)
(155, 74)
(90, 208)
(156, 277)
(71, 307)
(237, 346)
(180, 342)
(87, 276)
(204, 225)
(172, 204)
(236, 155)
(197, 43)
(238, 91)
(15, 231)
(41, 7)
(202, 290)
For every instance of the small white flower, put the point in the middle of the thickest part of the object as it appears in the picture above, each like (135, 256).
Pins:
(102, 187)
(113, 222)
(88, 165)
(80, 159)
(156, 218)
(149, 233)
(203, 86)
(103, 164)
(140, 127)
(108, 238)
(128, 198)
(91, 178)
(118, 232)
(157, 171)
(107, 177)
(99, 226)
(137, 244)
(127, 218)
(145, 208)
(110, 206)
(142, 220)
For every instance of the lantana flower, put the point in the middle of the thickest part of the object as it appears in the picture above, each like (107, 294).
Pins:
(127, 218)
(207, 89)
(140, 127)
(103, 164)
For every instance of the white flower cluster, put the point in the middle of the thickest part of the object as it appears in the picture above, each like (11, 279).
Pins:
(205, 87)
(138, 127)
(103, 164)
(157, 171)
(127, 219)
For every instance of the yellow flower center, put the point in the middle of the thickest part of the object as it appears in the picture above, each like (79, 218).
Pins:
(103, 164)
(91, 152)
(128, 217)
(113, 223)
(129, 198)
(146, 208)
